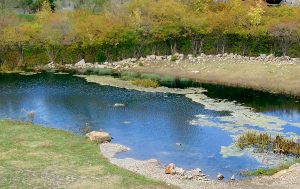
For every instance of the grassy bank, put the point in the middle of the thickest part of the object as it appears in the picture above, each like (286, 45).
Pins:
(37, 157)
(270, 77)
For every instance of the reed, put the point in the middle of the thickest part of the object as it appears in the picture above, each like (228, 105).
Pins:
(263, 141)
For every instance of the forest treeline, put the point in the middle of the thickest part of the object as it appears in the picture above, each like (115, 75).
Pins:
(137, 28)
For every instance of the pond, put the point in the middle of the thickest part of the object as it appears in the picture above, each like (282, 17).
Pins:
(151, 124)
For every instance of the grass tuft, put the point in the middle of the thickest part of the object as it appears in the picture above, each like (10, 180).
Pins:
(263, 141)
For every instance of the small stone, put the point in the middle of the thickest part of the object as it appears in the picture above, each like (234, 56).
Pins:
(232, 178)
(179, 171)
(170, 169)
(119, 105)
(220, 176)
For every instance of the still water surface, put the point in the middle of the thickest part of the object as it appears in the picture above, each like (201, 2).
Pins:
(150, 124)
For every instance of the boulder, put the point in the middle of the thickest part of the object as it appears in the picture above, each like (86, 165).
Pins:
(100, 137)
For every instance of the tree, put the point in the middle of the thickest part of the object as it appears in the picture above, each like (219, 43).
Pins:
(20, 36)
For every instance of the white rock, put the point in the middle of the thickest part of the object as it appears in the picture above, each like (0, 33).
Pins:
(81, 63)
(232, 178)
(119, 105)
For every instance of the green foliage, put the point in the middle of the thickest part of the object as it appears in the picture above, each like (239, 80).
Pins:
(173, 58)
(148, 83)
(99, 30)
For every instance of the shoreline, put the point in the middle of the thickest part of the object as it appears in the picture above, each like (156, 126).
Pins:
(261, 76)
(153, 169)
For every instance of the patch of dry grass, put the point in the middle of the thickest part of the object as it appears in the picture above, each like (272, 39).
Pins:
(271, 77)
(36, 157)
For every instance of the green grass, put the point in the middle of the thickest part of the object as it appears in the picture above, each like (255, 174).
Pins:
(37, 157)
(98, 71)
(155, 77)
(147, 83)
(130, 75)
(270, 171)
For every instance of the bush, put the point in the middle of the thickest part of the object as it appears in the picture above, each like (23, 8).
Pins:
(148, 83)
(173, 58)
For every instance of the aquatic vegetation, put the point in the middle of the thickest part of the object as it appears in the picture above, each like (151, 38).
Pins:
(148, 83)
(263, 141)
(258, 140)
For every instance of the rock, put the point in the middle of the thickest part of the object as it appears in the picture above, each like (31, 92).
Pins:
(133, 60)
(220, 176)
(81, 63)
(195, 173)
(232, 178)
(119, 105)
(50, 65)
(179, 171)
(100, 137)
(262, 56)
(170, 169)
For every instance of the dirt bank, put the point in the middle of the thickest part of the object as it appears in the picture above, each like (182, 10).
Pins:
(266, 76)
(289, 179)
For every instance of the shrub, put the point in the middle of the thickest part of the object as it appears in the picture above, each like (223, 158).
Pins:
(148, 83)
(174, 58)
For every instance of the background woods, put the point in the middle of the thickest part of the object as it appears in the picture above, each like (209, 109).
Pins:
(38, 32)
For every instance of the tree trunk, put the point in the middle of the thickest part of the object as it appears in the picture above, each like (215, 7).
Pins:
(21, 56)
(201, 45)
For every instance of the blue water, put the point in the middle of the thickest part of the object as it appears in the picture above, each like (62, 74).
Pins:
(150, 124)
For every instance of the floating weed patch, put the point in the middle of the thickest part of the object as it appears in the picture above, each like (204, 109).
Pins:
(148, 83)
(263, 141)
